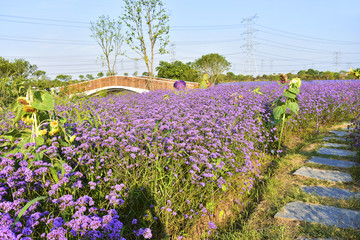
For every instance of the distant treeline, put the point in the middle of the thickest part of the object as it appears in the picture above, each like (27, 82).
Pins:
(187, 71)
(309, 74)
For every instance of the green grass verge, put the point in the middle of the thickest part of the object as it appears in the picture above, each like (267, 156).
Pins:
(279, 187)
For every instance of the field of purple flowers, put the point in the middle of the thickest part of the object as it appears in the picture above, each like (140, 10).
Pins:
(155, 166)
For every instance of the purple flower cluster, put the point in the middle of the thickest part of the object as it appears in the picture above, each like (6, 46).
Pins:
(180, 85)
(141, 160)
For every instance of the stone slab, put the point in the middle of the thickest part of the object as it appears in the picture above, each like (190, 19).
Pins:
(330, 192)
(328, 175)
(335, 145)
(334, 139)
(315, 213)
(336, 152)
(340, 133)
(331, 162)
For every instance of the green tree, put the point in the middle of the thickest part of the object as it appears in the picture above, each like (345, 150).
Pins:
(100, 75)
(212, 64)
(18, 68)
(147, 30)
(108, 35)
(15, 77)
(177, 70)
(328, 75)
(63, 77)
(89, 77)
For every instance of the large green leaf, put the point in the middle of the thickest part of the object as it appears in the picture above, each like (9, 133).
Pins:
(289, 95)
(294, 107)
(18, 115)
(26, 138)
(39, 141)
(43, 101)
(294, 90)
(279, 111)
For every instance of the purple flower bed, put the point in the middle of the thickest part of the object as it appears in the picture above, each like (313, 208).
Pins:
(146, 166)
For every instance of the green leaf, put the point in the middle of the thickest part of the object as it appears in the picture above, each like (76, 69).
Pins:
(13, 133)
(19, 113)
(43, 101)
(157, 126)
(289, 94)
(26, 207)
(294, 107)
(257, 90)
(294, 90)
(39, 141)
(279, 111)
(25, 140)
(224, 188)
(54, 174)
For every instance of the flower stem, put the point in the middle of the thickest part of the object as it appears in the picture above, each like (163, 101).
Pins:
(282, 129)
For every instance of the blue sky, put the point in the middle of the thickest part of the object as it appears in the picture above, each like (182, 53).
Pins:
(288, 36)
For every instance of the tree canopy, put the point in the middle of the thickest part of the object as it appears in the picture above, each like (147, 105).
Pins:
(177, 70)
(212, 64)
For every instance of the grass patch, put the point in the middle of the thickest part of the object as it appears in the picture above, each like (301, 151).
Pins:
(281, 187)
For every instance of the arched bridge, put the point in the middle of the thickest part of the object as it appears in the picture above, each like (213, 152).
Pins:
(133, 84)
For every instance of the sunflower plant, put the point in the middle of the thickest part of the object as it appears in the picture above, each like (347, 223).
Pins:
(286, 105)
(36, 111)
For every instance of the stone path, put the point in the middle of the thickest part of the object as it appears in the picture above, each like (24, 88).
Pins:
(331, 162)
(335, 145)
(340, 133)
(334, 138)
(336, 152)
(328, 175)
(327, 215)
(330, 192)
(321, 214)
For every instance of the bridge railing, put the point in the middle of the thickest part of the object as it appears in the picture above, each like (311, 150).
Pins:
(133, 82)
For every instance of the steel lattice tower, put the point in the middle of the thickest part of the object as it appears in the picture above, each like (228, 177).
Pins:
(249, 46)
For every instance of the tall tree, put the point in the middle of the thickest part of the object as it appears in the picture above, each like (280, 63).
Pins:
(147, 30)
(18, 68)
(177, 70)
(108, 34)
(212, 64)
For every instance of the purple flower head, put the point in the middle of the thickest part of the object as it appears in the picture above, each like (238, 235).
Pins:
(180, 85)
(212, 225)
(6, 233)
(57, 234)
(147, 233)
(58, 222)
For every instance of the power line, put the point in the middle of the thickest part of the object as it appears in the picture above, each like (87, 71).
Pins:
(45, 24)
(311, 38)
(43, 19)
